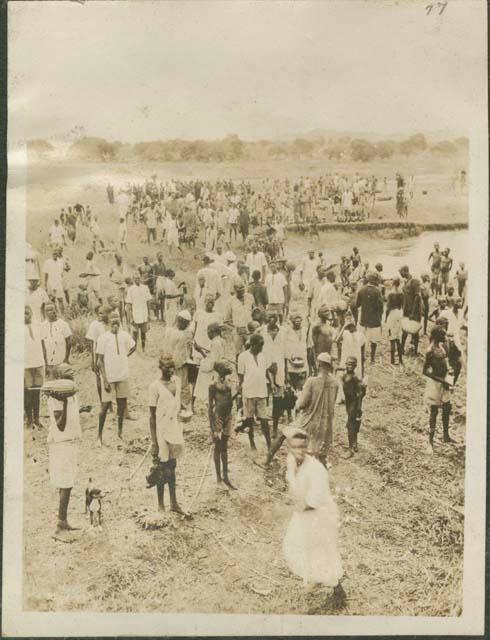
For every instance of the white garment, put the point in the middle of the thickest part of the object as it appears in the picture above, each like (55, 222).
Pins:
(310, 544)
(275, 283)
(32, 263)
(313, 293)
(453, 326)
(256, 262)
(211, 238)
(63, 446)
(232, 216)
(219, 259)
(327, 295)
(33, 350)
(203, 319)
(239, 313)
(206, 373)
(72, 429)
(171, 303)
(54, 270)
(95, 229)
(122, 232)
(295, 344)
(279, 227)
(35, 300)
(93, 280)
(347, 200)
(254, 372)
(200, 296)
(207, 218)
(56, 234)
(211, 278)
(394, 324)
(151, 218)
(275, 351)
(115, 349)
(172, 232)
(95, 329)
(352, 344)
(168, 428)
(221, 219)
(54, 335)
(138, 297)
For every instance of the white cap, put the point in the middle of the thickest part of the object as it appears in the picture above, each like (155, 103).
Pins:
(324, 357)
(185, 315)
(230, 256)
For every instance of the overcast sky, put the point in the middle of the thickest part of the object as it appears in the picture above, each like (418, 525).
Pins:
(146, 70)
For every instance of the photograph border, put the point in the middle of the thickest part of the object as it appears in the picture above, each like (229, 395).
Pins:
(16, 623)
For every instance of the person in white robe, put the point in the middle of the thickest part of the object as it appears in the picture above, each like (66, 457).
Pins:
(311, 543)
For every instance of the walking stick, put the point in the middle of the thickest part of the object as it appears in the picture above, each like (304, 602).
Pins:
(140, 464)
(134, 472)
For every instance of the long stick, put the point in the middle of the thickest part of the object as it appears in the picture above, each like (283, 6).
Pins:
(202, 478)
(133, 474)
(141, 462)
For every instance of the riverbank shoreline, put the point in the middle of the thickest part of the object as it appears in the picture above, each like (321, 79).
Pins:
(413, 228)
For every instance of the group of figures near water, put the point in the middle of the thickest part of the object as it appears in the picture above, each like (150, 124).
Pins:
(254, 337)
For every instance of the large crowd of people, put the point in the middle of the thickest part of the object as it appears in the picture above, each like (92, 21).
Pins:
(229, 210)
(253, 338)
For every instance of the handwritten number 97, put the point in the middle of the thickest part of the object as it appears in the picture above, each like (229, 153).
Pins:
(434, 5)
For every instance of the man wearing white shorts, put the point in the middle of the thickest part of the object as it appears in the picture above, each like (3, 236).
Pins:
(137, 308)
(253, 374)
(370, 301)
(113, 350)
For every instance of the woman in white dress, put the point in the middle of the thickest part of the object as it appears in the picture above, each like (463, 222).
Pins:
(310, 545)
(166, 432)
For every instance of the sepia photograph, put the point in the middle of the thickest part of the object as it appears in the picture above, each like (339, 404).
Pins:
(246, 346)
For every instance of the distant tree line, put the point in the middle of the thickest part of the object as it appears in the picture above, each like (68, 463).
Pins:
(232, 148)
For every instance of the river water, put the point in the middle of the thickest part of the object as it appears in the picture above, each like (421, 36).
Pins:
(391, 252)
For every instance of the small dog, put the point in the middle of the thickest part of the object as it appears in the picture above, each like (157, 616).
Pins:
(93, 503)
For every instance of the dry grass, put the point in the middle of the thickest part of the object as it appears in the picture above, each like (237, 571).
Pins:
(401, 529)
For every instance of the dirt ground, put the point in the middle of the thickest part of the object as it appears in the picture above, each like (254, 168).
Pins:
(401, 532)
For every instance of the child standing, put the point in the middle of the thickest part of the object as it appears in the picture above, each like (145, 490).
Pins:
(64, 439)
(354, 392)
(220, 421)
